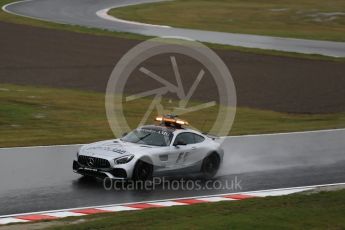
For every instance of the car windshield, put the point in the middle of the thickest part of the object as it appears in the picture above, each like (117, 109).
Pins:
(149, 137)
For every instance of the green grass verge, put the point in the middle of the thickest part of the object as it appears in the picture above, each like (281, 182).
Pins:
(311, 19)
(44, 116)
(5, 17)
(323, 210)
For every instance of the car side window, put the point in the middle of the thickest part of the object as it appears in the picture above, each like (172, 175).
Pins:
(187, 138)
(198, 138)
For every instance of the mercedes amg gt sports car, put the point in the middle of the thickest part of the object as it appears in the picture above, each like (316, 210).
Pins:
(152, 150)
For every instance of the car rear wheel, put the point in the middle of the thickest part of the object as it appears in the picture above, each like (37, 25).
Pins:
(210, 165)
(143, 171)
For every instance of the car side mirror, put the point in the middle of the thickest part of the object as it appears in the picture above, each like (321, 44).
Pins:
(124, 134)
(180, 143)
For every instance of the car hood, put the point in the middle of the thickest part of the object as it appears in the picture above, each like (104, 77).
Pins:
(115, 148)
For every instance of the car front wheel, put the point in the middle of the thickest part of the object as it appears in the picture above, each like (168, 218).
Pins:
(143, 171)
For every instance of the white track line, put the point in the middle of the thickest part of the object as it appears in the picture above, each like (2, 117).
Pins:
(4, 8)
(104, 14)
(178, 37)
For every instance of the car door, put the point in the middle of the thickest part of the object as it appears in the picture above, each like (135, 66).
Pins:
(180, 153)
(198, 150)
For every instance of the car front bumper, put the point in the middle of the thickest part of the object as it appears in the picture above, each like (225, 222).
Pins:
(113, 173)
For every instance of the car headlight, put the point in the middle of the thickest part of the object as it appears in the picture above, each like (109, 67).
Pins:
(124, 159)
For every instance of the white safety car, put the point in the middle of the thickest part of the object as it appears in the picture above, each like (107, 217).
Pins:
(152, 150)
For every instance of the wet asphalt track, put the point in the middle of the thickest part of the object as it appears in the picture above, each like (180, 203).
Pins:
(83, 12)
(41, 178)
